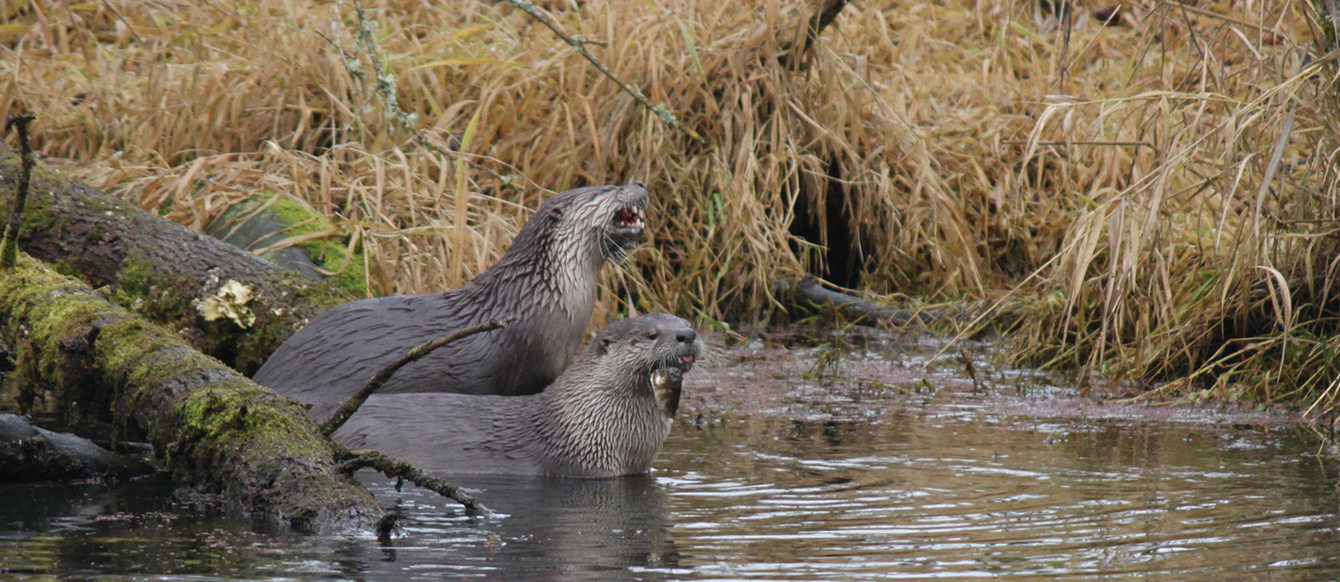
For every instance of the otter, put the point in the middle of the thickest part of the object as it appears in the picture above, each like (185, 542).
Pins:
(546, 280)
(606, 416)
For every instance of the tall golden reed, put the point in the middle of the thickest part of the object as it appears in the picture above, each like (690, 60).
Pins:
(1150, 197)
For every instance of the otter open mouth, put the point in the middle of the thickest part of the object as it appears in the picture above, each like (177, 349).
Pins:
(629, 218)
(677, 364)
(624, 230)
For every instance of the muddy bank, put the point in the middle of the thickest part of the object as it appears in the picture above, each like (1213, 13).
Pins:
(853, 375)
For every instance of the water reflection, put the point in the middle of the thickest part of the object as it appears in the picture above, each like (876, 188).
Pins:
(137, 526)
(551, 529)
(802, 481)
(932, 499)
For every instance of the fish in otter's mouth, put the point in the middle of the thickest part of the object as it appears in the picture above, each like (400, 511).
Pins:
(667, 381)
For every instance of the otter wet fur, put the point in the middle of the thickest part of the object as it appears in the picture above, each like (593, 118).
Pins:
(606, 416)
(546, 280)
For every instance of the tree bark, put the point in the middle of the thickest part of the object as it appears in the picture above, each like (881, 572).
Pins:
(211, 428)
(162, 270)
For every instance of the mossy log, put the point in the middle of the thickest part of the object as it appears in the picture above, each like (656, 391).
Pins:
(211, 428)
(164, 271)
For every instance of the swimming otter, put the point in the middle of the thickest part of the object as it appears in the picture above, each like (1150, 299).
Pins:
(606, 416)
(546, 280)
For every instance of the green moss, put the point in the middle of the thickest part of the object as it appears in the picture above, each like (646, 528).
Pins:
(234, 423)
(124, 343)
(327, 254)
(30, 292)
(143, 289)
(212, 427)
(37, 213)
(230, 407)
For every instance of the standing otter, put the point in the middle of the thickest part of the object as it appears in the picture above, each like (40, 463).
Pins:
(547, 280)
(606, 416)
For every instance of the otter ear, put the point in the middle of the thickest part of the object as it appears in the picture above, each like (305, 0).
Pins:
(555, 213)
(603, 344)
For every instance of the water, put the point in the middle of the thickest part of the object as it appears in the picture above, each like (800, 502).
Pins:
(881, 465)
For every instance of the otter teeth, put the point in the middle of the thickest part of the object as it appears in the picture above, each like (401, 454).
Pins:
(628, 218)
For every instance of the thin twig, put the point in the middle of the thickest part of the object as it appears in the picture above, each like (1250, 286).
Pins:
(386, 88)
(402, 470)
(9, 245)
(579, 44)
(350, 406)
(1067, 26)
(432, 143)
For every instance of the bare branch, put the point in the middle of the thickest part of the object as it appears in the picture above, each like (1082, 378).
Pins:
(579, 44)
(402, 470)
(9, 246)
(350, 406)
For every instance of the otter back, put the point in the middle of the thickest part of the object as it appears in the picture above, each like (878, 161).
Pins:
(546, 282)
(604, 417)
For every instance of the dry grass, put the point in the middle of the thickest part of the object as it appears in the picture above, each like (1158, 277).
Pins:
(1122, 181)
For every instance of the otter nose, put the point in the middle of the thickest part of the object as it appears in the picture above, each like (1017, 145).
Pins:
(638, 183)
(686, 335)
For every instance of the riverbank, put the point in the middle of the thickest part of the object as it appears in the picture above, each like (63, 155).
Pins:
(1142, 194)
(770, 472)
(803, 374)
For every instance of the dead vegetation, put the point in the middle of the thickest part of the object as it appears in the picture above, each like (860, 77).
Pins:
(1147, 189)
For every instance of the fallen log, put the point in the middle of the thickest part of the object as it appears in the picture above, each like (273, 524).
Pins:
(211, 428)
(165, 271)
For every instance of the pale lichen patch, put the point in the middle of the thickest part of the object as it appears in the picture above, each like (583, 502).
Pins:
(230, 301)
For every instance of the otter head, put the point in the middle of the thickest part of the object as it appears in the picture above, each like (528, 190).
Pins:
(657, 349)
(604, 221)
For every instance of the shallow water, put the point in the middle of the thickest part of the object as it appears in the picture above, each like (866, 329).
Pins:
(891, 463)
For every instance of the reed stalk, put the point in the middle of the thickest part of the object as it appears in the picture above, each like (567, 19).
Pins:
(1150, 192)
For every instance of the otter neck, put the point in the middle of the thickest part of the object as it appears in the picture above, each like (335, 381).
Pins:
(596, 421)
(550, 267)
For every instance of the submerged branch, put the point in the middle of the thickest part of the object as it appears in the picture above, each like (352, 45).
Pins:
(807, 292)
(350, 406)
(30, 454)
(403, 470)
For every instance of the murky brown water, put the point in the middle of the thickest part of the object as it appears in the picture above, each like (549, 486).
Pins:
(879, 467)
